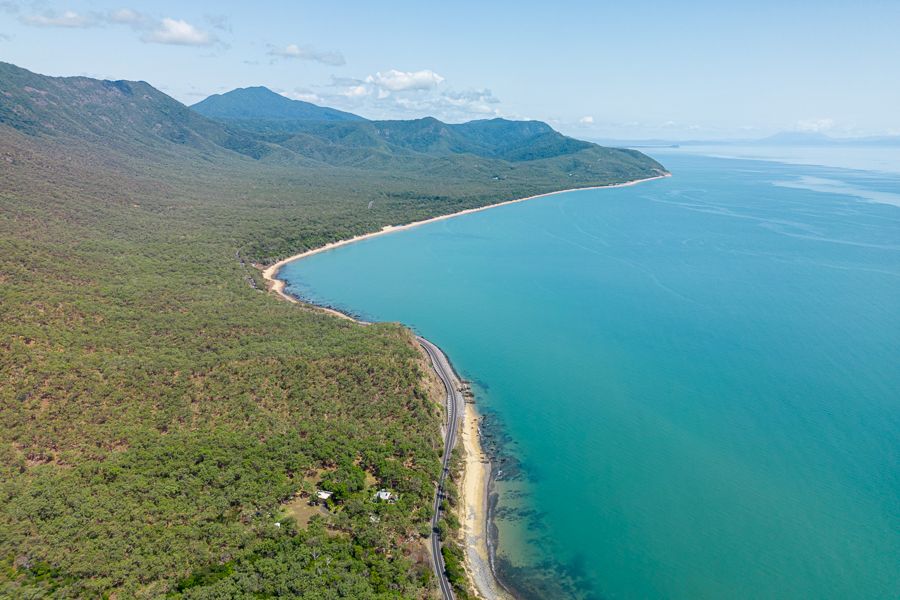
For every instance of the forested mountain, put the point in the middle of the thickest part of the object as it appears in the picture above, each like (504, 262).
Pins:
(260, 103)
(261, 110)
(129, 116)
(512, 141)
(136, 119)
(159, 412)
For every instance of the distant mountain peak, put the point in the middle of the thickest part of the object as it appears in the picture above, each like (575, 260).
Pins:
(261, 103)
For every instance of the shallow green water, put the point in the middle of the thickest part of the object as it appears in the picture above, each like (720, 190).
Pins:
(699, 377)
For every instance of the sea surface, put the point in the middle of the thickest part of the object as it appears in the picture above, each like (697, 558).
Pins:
(691, 385)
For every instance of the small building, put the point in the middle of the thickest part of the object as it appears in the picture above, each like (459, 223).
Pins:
(323, 494)
(384, 496)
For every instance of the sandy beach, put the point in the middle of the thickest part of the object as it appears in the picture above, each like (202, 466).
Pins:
(270, 273)
(474, 509)
(477, 468)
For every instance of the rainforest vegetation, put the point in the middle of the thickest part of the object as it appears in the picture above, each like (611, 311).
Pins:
(158, 408)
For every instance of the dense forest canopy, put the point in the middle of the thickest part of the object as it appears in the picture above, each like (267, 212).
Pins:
(158, 407)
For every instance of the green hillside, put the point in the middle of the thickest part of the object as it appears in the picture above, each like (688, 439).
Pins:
(130, 116)
(160, 411)
(309, 130)
(263, 104)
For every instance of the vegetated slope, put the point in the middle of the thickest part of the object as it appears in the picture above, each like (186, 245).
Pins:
(262, 104)
(352, 140)
(495, 138)
(158, 407)
(129, 116)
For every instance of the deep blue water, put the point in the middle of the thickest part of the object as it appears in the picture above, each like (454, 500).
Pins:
(698, 378)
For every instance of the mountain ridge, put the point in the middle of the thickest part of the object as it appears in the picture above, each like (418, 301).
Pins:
(136, 119)
(131, 116)
(499, 138)
(259, 102)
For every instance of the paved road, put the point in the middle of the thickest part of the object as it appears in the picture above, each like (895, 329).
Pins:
(454, 401)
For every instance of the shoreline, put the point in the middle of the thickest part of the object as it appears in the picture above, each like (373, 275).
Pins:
(270, 273)
(475, 506)
(477, 472)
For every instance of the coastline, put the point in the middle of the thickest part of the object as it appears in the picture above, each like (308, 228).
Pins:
(475, 518)
(476, 478)
(270, 273)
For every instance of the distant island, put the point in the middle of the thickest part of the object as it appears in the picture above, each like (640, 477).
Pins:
(170, 428)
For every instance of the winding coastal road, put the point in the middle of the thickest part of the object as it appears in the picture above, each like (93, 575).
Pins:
(454, 398)
(454, 401)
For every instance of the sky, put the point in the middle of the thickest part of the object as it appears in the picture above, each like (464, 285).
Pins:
(598, 70)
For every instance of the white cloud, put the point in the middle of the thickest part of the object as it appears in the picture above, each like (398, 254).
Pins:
(327, 57)
(69, 18)
(165, 31)
(306, 96)
(587, 120)
(472, 102)
(397, 95)
(357, 91)
(484, 96)
(180, 33)
(447, 106)
(398, 81)
(815, 125)
(344, 81)
(126, 16)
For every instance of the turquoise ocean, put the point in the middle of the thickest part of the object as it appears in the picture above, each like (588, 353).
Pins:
(691, 386)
